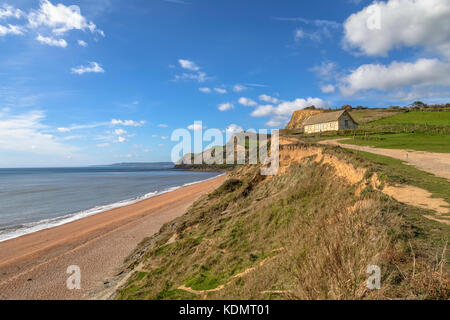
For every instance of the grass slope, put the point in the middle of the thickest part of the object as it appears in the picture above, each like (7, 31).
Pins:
(369, 115)
(414, 130)
(304, 234)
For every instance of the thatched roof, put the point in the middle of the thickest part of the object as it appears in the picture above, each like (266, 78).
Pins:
(324, 117)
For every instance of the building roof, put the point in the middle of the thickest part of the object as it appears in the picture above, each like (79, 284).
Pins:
(324, 117)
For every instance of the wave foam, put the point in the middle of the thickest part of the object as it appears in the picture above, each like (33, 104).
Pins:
(28, 228)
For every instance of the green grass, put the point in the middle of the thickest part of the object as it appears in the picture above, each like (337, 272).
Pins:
(417, 118)
(369, 115)
(203, 281)
(415, 130)
(412, 141)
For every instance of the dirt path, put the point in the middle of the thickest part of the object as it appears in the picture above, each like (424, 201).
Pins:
(34, 266)
(420, 198)
(435, 163)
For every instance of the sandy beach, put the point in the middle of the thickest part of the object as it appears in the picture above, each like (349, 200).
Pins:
(34, 266)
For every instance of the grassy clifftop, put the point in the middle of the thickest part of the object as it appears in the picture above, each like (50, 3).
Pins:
(309, 232)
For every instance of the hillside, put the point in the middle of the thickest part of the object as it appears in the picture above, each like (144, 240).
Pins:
(414, 130)
(369, 115)
(309, 232)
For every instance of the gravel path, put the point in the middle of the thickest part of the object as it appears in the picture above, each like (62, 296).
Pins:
(435, 163)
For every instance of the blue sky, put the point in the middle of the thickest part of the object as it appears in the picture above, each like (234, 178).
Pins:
(103, 81)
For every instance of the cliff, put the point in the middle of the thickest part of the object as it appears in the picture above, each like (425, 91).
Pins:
(309, 232)
(300, 116)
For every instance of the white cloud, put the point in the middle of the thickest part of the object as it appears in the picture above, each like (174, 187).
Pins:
(74, 137)
(275, 122)
(279, 114)
(93, 67)
(420, 93)
(11, 29)
(120, 139)
(257, 85)
(204, 90)
(82, 43)
(52, 41)
(247, 102)
(189, 65)
(26, 133)
(162, 125)
(384, 26)
(286, 108)
(263, 111)
(220, 90)
(60, 18)
(199, 76)
(299, 34)
(196, 126)
(239, 88)
(327, 88)
(423, 72)
(316, 22)
(233, 129)
(120, 132)
(225, 106)
(317, 29)
(326, 70)
(8, 11)
(164, 137)
(113, 122)
(82, 127)
(269, 99)
(127, 123)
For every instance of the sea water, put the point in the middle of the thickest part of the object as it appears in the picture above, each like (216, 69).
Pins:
(36, 199)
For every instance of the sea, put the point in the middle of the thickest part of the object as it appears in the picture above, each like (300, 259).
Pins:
(34, 199)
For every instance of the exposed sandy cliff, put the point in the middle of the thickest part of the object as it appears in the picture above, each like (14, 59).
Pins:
(300, 116)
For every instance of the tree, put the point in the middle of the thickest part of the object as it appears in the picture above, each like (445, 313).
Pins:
(418, 104)
(347, 107)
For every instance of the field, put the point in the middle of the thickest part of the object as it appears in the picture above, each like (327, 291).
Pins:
(415, 130)
(369, 115)
(412, 141)
(416, 118)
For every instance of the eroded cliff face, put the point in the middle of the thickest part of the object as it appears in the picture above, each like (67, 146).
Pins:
(300, 116)
(308, 232)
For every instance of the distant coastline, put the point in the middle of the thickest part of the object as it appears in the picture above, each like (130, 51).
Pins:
(169, 165)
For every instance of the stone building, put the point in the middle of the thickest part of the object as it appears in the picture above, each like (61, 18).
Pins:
(329, 121)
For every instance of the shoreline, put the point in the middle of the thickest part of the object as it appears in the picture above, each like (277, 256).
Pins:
(45, 224)
(34, 265)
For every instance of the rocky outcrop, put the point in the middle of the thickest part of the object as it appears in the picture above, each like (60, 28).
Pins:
(300, 116)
